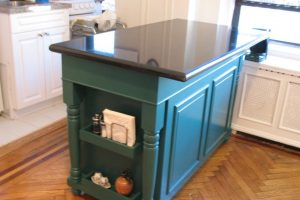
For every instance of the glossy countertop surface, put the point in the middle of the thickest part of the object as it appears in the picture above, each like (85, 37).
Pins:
(17, 7)
(176, 49)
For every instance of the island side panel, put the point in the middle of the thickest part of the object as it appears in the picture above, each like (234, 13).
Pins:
(103, 86)
(109, 78)
(196, 124)
(167, 109)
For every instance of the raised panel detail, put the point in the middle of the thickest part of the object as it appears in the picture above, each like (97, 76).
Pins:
(30, 84)
(186, 137)
(53, 61)
(291, 109)
(259, 99)
(222, 89)
(24, 22)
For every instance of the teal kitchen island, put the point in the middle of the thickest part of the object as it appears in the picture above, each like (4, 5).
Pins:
(178, 78)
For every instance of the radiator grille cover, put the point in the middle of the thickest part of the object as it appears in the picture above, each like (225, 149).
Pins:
(291, 114)
(259, 99)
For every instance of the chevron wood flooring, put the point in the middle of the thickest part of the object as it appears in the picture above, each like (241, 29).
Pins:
(239, 170)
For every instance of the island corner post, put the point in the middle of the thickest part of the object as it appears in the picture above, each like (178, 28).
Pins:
(182, 114)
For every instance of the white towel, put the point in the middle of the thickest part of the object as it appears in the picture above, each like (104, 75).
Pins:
(120, 127)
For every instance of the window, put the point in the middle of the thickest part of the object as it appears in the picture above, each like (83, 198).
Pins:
(281, 17)
(105, 43)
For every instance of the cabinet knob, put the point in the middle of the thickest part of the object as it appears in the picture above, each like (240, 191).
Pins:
(40, 35)
(46, 34)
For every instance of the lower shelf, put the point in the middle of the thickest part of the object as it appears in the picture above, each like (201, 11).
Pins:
(108, 144)
(88, 187)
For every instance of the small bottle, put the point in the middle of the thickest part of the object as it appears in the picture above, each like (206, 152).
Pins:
(96, 124)
(102, 126)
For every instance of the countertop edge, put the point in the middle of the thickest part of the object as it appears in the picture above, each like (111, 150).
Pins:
(223, 57)
(118, 63)
(183, 77)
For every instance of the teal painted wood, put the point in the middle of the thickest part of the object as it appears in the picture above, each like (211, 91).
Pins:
(165, 109)
(187, 132)
(109, 157)
(173, 144)
(230, 113)
(112, 79)
(73, 127)
(72, 99)
(152, 123)
(222, 94)
(108, 144)
(97, 191)
(130, 84)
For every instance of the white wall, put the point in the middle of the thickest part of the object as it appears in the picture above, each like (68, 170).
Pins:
(138, 12)
(225, 12)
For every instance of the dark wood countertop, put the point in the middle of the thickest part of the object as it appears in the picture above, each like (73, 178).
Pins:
(177, 49)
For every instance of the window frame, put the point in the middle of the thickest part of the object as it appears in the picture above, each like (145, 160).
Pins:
(277, 51)
(240, 3)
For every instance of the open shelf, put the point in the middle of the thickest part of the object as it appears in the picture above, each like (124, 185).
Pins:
(98, 191)
(108, 144)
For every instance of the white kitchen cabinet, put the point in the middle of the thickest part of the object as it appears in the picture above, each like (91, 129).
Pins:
(268, 104)
(29, 75)
(30, 72)
(37, 70)
(53, 61)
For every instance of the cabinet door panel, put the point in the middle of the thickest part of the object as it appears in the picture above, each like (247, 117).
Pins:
(188, 120)
(291, 108)
(222, 95)
(259, 98)
(53, 60)
(29, 70)
(34, 21)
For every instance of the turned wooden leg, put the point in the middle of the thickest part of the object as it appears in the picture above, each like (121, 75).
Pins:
(152, 123)
(73, 98)
(150, 159)
(73, 130)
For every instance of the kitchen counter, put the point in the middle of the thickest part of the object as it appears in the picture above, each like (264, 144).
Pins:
(27, 30)
(177, 78)
(27, 7)
(176, 49)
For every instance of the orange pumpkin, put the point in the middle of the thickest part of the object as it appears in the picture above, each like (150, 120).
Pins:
(124, 184)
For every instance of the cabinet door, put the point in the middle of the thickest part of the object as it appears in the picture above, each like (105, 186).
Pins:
(53, 60)
(29, 69)
(223, 89)
(188, 116)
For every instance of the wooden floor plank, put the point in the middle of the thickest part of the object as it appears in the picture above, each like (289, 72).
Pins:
(239, 170)
(45, 133)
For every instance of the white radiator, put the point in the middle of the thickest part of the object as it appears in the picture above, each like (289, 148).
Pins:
(268, 103)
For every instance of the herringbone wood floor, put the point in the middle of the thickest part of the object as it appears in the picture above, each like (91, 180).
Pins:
(239, 170)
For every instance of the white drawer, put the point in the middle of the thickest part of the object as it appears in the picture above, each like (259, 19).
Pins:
(34, 21)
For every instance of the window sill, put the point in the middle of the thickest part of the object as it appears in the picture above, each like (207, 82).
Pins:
(280, 64)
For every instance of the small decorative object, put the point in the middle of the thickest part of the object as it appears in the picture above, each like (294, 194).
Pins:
(96, 124)
(120, 127)
(124, 184)
(99, 179)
